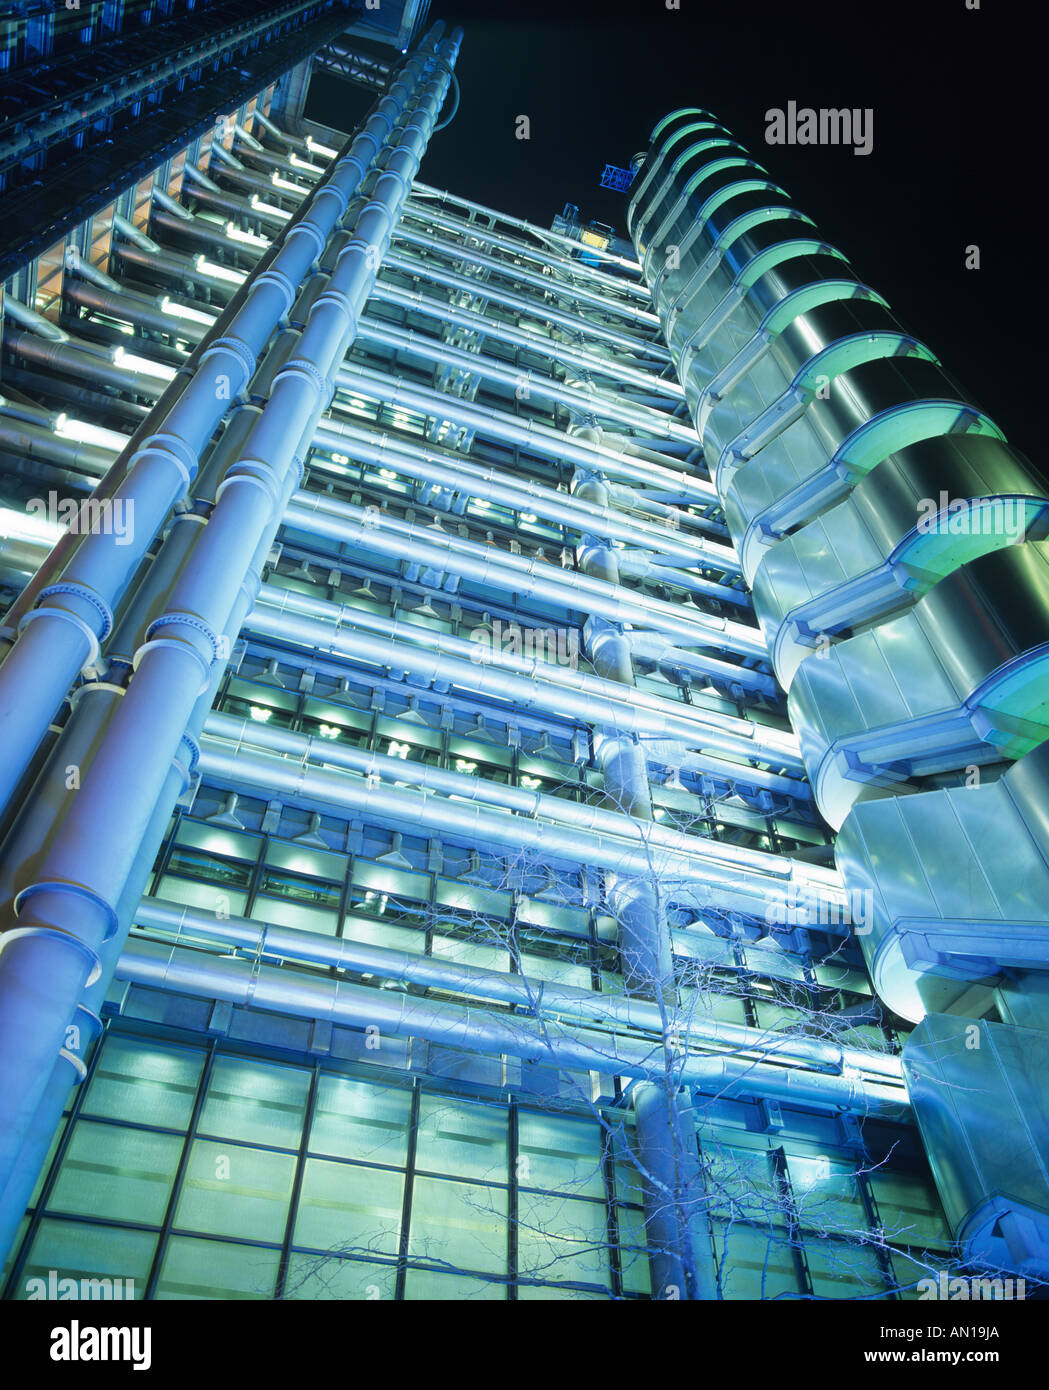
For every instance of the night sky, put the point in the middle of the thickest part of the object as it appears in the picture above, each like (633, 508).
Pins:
(958, 152)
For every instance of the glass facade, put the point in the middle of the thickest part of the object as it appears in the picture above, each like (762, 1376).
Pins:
(199, 1172)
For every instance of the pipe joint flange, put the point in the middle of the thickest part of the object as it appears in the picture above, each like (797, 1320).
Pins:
(377, 140)
(82, 1019)
(359, 246)
(77, 1063)
(89, 596)
(178, 644)
(88, 1022)
(420, 114)
(257, 474)
(338, 299)
(237, 348)
(179, 619)
(250, 587)
(300, 367)
(403, 182)
(279, 280)
(350, 170)
(340, 195)
(94, 688)
(175, 450)
(76, 890)
(297, 468)
(93, 648)
(193, 748)
(94, 964)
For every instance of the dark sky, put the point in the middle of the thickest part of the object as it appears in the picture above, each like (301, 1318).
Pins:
(958, 156)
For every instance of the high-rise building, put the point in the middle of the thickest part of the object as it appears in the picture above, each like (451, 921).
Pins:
(520, 745)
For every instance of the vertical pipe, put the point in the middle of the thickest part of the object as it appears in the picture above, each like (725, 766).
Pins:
(68, 609)
(665, 1139)
(66, 917)
(676, 1225)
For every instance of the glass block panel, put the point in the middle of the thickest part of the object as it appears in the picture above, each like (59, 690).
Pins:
(300, 859)
(125, 1174)
(209, 896)
(358, 1119)
(562, 972)
(754, 1263)
(217, 839)
(468, 952)
(540, 1293)
(826, 1196)
(215, 1269)
(385, 879)
(144, 1083)
(211, 868)
(14, 1252)
(299, 916)
(376, 931)
(462, 1138)
(909, 1208)
(842, 1269)
(910, 1266)
(781, 1016)
(705, 1005)
(460, 1224)
(562, 1240)
(430, 1285)
(739, 1183)
(348, 1209)
(230, 1190)
(560, 1153)
(45, 1169)
(318, 1277)
(75, 1250)
(255, 1102)
(627, 1177)
(633, 1256)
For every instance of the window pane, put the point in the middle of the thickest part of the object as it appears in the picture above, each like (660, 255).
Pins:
(318, 1277)
(206, 895)
(429, 1284)
(842, 1269)
(471, 952)
(739, 1183)
(234, 1191)
(563, 972)
(348, 1209)
(633, 1257)
(541, 1293)
(356, 1119)
(78, 1251)
(561, 1240)
(753, 1263)
(825, 1194)
(460, 1224)
(459, 1137)
(280, 912)
(143, 1083)
(213, 1269)
(910, 1208)
(253, 1101)
(121, 1173)
(560, 1153)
